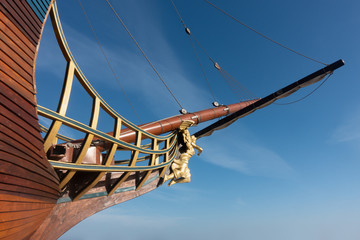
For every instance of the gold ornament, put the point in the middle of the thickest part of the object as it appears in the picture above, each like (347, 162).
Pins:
(180, 172)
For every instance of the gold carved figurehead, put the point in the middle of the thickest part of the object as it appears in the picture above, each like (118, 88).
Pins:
(179, 170)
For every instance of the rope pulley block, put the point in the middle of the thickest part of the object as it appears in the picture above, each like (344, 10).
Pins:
(217, 66)
(187, 30)
(215, 104)
(183, 111)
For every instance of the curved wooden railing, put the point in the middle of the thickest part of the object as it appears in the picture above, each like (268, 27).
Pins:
(153, 152)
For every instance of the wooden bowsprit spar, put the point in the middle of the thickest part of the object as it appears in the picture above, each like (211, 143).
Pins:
(284, 92)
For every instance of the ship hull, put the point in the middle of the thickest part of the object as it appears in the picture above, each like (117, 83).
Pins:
(28, 184)
(66, 213)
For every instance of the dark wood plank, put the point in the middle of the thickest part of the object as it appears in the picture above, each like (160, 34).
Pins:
(7, 60)
(11, 186)
(12, 183)
(33, 178)
(17, 83)
(8, 197)
(11, 137)
(29, 13)
(42, 5)
(14, 33)
(23, 232)
(37, 141)
(13, 127)
(22, 206)
(19, 22)
(28, 164)
(13, 216)
(17, 104)
(32, 126)
(14, 56)
(17, 140)
(24, 160)
(30, 213)
(25, 16)
(6, 148)
(20, 222)
(9, 141)
(15, 48)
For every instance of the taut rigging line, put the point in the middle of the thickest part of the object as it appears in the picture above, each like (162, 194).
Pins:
(143, 53)
(263, 35)
(226, 76)
(107, 60)
(187, 30)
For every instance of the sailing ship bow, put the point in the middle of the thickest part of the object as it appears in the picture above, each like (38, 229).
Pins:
(47, 187)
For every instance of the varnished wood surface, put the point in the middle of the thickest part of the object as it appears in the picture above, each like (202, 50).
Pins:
(24, 20)
(66, 215)
(28, 184)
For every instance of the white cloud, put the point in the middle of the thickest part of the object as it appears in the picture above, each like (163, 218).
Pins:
(349, 129)
(247, 158)
(177, 193)
(134, 73)
(239, 202)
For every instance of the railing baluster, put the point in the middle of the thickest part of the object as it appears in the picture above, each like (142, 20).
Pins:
(59, 117)
(166, 156)
(86, 144)
(62, 107)
(153, 161)
(107, 162)
(134, 156)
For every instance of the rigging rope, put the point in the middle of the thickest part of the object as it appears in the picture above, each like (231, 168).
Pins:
(263, 35)
(143, 53)
(178, 13)
(187, 30)
(248, 94)
(307, 95)
(107, 60)
(231, 88)
(226, 76)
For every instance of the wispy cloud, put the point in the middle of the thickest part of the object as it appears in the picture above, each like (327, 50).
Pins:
(239, 202)
(133, 72)
(247, 158)
(349, 129)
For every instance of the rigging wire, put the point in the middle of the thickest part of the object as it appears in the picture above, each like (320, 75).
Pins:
(230, 83)
(226, 76)
(248, 94)
(187, 30)
(263, 35)
(203, 71)
(307, 95)
(178, 13)
(143, 53)
(107, 60)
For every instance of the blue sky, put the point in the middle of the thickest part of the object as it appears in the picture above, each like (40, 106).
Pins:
(285, 172)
